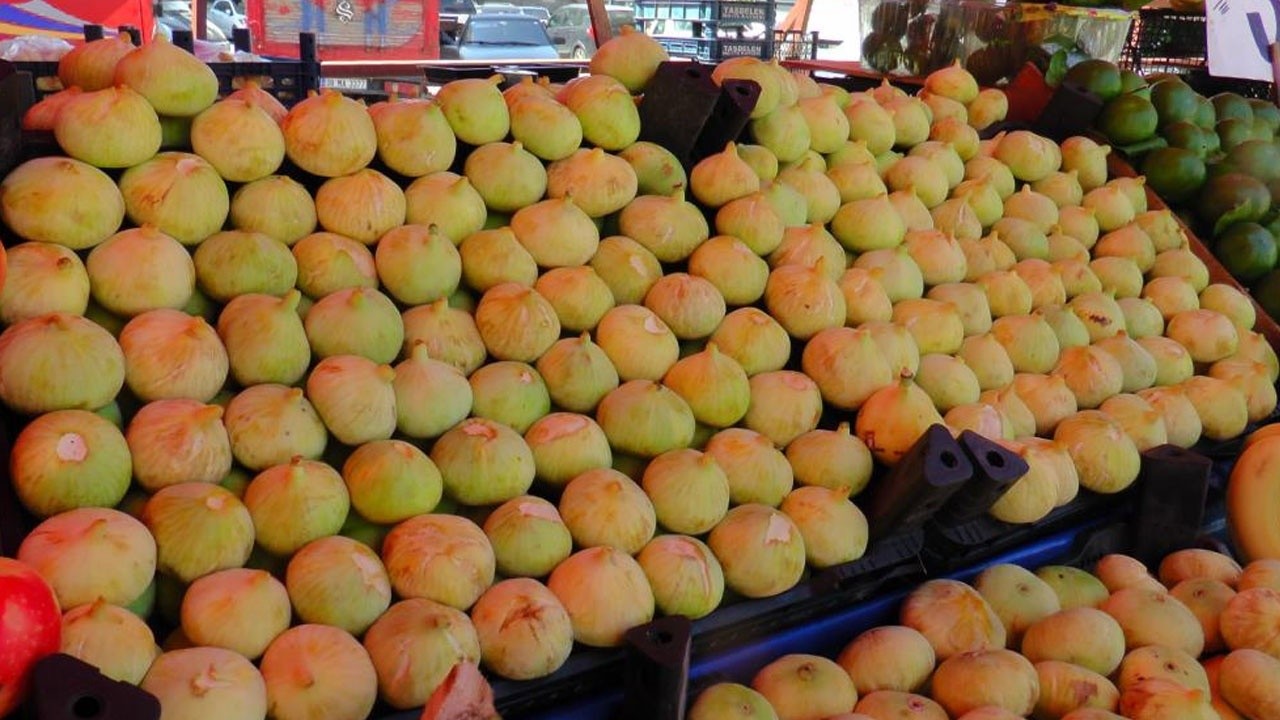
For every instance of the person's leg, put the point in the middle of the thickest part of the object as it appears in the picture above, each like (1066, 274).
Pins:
(308, 10)
(320, 13)
(384, 12)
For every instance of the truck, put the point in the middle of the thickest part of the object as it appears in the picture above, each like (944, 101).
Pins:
(347, 31)
(350, 31)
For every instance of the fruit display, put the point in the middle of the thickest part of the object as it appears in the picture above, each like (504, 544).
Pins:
(1193, 639)
(992, 40)
(375, 394)
(1213, 159)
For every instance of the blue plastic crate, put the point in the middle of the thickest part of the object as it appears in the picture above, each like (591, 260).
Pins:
(824, 636)
(715, 49)
(724, 11)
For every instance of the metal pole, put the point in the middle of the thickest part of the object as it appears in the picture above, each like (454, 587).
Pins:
(600, 26)
(199, 18)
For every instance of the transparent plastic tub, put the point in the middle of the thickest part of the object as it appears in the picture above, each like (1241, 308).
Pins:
(897, 35)
(993, 39)
(1098, 32)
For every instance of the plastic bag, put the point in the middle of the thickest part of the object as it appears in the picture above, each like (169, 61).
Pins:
(212, 51)
(34, 48)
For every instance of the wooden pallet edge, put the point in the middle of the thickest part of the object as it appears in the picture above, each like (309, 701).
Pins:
(1265, 324)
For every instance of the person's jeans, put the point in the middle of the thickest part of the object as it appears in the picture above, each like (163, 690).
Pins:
(310, 14)
(375, 21)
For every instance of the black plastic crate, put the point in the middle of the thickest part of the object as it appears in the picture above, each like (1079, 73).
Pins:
(44, 74)
(289, 80)
(1208, 85)
(1165, 40)
(716, 49)
(749, 11)
(512, 72)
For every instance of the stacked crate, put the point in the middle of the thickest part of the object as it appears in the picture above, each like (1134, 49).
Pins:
(709, 30)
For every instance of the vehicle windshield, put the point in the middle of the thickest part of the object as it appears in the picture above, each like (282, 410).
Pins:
(620, 18)
(506, 31)
(457, 7)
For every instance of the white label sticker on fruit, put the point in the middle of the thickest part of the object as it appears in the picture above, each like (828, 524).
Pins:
(560, 426)
(684, 548)
(371, 572)
(542, 511)
(1239, 34)
(72, 448)
(653, 325)
(779, 529)
(478, 429)
(796, 381)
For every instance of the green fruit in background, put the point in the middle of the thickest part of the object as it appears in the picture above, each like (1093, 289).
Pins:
(1246, 198)
(1264, 111)
(1258, 158)
(1233, 131)
(1175, 101)
(1231, 105)
(1130, 81)
(882, 52)
(1220, 168)
(1213, 143)
(1206, 115)
(1247, 250)
(1128, 119)
(1097, 76)
(1184, 134)
(889, 18)
(1267, 292)
(1174, 173)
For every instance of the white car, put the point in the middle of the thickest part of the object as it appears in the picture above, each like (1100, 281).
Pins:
(229, 9)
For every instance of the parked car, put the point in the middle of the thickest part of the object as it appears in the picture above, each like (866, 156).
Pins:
(453, 15)
(571, 32)
(219, 24)
(171, 19)
(537, 11)
(232, 13)
(500, 37)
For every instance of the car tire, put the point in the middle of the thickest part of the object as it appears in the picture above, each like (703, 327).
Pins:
(579, 53)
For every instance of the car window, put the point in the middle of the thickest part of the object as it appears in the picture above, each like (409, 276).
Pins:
(619, 18)
(506, 31)
(559, 18)
(458, 7)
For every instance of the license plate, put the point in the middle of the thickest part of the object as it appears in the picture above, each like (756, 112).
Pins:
(341, 83)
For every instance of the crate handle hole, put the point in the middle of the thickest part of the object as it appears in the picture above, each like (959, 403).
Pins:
(87, 706)
(995, 459)
(662, 637)
(949, 459)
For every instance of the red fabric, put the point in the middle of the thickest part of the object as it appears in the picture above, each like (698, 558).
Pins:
(1028, 94)
(98, 12)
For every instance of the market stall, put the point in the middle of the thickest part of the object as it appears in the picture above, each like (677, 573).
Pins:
(641, 393)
